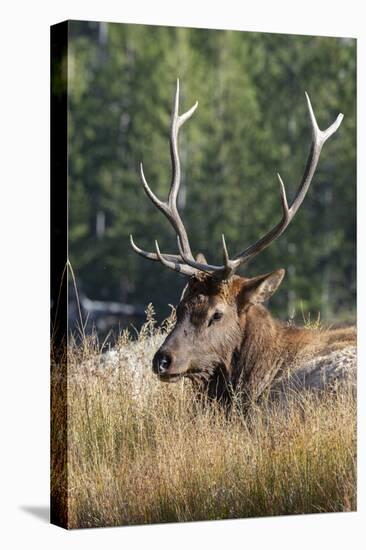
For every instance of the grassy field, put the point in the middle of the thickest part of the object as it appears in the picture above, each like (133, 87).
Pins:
(140, 451)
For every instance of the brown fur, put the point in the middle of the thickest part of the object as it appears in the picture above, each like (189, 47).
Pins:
(246, 348)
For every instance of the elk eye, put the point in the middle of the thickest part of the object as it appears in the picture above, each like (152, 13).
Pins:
(215, 317)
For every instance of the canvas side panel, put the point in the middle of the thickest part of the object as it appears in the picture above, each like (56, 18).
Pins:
(59, 90)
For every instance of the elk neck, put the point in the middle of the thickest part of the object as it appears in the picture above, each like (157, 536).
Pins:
(266, 348)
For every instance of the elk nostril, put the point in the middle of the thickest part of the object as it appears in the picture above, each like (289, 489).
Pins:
(164, 361)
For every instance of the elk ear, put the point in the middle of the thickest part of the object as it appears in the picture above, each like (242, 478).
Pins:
(259, 289)
(200, 258)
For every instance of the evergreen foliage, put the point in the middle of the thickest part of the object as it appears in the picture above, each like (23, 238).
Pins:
(251, 123)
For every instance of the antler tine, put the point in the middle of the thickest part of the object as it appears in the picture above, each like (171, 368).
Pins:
(319, 137)
(198, 266)
(225, 253)
(284, 203)
(229, 265)
(175, 266)
(158, 203)
(152, 255)
(185, 116)
(220, 271)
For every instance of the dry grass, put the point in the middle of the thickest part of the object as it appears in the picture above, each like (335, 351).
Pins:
(140, 451)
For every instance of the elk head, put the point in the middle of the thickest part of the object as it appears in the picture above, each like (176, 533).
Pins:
(216, 305)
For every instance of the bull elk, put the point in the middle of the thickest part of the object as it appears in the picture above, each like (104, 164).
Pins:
(224, 337)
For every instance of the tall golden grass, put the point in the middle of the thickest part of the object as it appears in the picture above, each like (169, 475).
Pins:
(139, 451)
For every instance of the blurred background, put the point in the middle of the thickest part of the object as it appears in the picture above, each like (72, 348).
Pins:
(251, 123)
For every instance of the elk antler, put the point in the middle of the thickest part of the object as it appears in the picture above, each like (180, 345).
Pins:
(184, 262)
(169, 208)
(319, 137)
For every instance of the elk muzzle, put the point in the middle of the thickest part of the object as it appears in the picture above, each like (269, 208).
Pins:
(165, 366)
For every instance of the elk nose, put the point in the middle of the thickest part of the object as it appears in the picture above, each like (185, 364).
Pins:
(162, 362)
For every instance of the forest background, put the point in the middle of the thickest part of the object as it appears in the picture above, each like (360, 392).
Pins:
(251, 123)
